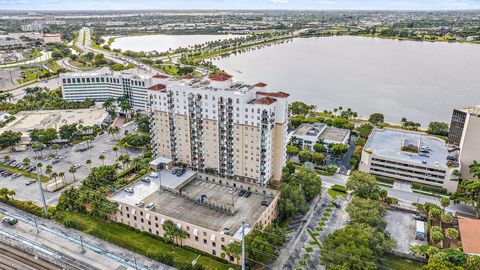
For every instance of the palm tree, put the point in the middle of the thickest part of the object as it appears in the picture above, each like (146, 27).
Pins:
(6, 157)
(55, 147)
(452, 233)
(89, 163)
(39, 166)
(49, 170)
(62, 175)
(126, 160)
(102, 158)
(54, 175)
(109, 105)
(444, 202)
(73, 170)
(115, 149)
(26, 162)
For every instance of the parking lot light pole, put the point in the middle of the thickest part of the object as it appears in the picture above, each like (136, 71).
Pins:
(39, 180)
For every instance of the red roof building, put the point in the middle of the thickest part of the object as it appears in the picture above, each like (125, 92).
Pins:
(265, 101)
(470, 235)
(274, 94)
(157, 87)
(221, 77)
(260, 84)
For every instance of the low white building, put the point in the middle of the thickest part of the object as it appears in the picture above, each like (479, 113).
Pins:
(409, 156)
(307, 135)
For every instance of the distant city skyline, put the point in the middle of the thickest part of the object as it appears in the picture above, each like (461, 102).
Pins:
(239, 4)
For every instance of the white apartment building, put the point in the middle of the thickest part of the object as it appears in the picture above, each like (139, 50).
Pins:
(103, 84)
(237, 130)
(409, 156)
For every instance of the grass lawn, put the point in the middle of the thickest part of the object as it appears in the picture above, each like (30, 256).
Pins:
(139, 242)
(326, 214)
(309, 249)
(398, 263)
(334, 194)
(324, 218)
(313, 236)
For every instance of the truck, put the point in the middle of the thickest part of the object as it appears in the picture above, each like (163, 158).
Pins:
(420, 231)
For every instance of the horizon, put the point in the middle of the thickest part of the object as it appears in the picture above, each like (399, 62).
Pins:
(222, 5)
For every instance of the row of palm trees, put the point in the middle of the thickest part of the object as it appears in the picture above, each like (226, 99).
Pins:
(123, 103)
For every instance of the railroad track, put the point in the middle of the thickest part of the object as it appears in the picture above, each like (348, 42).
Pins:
(14, 259)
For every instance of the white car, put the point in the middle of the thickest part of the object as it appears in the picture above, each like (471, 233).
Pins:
(129, 190)
(153, 174)
(150, 206)
(232, 190)
(139, 204)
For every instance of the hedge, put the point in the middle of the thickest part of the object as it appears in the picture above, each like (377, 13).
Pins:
(425, 187)
(339, 188)
(385, 179)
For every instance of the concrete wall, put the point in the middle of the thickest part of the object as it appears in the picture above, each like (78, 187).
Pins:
(469, 145)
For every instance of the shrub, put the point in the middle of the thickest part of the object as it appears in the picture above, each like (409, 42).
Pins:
(430, 188)
(339, 188)
(385, 179)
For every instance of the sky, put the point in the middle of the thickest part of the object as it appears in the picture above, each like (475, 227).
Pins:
(239, 4)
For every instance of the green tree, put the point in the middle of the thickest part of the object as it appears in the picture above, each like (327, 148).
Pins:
(444, 202)
(468, 192)
(364, 185)
(452, 233)
(292, 151)
(436, 234)
(26, 162)
(298, 107)
(305, 156)
(73, 170)
(364, 130)
(441, 266)
(69, 132)
(475, 169)
(318, 158)
(472, 263)
(376, 118)
(102, 158)
(89, 163)
(319, 148)
(234, 250)
(368, 212)
(438, 128)
(292, 200)
(9, 138)
(339, 149)
(355, 247)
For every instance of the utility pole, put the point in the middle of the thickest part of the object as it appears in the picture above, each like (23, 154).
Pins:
(243, 245)
(36, 225)
(81, 243)
(39, 180)
(135, 260)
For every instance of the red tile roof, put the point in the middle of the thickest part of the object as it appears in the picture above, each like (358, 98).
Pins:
(470, 234)
(274, 94)
(220, 77)
(265, 100)
(260, 84)
(160, 76)
(157, 87)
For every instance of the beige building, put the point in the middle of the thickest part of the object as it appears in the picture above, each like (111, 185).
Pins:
(237, 130)
(465, 133)
(204, 206)
(409, 156)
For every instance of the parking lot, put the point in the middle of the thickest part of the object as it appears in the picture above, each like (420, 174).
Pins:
(402, 228)
(102, 145)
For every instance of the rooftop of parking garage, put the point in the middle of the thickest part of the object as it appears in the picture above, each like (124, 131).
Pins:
(186, 207)
(388, 143)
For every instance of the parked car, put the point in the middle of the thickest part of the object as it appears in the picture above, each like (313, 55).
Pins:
(265, 203)
(241, 193)
(232, 190)
(146, 180)
(10, 220)
(174, 171)
(29, 182)
(139, 204)
(129, 190)
(55, 161)
(336, 204)
(76, 166)
(180, 172)
(420, 218)
(150, 206)
(15, 175)
(153, 174)
(247, 194)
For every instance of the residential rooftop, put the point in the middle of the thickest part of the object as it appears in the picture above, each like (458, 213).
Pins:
(309, 129)
(334, 134)
(387, 143)
(187, 206)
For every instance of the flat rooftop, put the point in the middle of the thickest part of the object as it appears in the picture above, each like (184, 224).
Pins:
(388, 143)
(29, 120)
(181, 208)
(334, 134)
(309, 129)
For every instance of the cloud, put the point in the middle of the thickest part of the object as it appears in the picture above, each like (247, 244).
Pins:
(279, 1)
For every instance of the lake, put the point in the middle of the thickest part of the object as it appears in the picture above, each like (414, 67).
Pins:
(422, 81)
(162, 43)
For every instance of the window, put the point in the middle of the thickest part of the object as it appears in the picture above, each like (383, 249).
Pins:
(196, 238)
(214, 244)
(204, 241)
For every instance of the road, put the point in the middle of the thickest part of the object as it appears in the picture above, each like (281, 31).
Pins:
(44, 57)
(406, 198)
(51, 83)
(96, 252)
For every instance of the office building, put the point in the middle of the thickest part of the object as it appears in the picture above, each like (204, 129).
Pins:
(409, 156)
(235, 130)
(464, 133)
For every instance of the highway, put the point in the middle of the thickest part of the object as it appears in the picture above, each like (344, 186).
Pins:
(52, 237)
